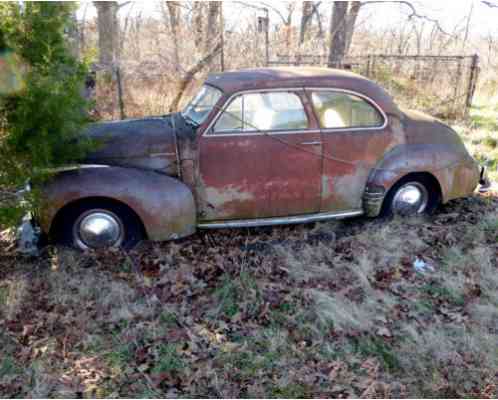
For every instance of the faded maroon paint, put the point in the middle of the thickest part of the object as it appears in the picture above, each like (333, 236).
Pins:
(430, 147)
(271, 174)
(164, 204)
(264, 175)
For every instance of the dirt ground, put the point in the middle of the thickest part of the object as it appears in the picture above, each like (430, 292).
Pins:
(333, 309)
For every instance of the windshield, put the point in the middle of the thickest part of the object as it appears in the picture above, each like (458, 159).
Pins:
(201, 105)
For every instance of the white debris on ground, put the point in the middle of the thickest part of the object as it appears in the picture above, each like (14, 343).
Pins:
(422, 266)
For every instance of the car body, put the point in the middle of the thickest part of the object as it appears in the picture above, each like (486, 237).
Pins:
(259, 147)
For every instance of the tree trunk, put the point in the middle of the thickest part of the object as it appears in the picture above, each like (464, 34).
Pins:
(306, 16)
(174, 22)
(198, 24)
(213, 30)
(351, 23)
(337, 38)
(107, 22)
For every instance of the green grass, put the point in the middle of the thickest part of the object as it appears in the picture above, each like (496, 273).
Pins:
(4, 294)
(120, 357)
(480, 135)
(8, 366)
(168, 360)
(379, 348)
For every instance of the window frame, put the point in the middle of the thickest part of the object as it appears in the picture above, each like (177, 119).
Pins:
(298, 91)
(370, 101)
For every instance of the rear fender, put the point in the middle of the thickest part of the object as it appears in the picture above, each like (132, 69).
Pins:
(165, 205)
(456, 172)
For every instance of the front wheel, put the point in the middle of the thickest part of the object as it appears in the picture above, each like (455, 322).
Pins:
(100, 226)
(411, 197)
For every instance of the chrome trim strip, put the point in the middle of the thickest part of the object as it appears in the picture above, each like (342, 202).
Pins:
(260, 133)
(161, 154)
(297, 219)
(265, 133)
(364, 97)
(311, 143)
(75, 167)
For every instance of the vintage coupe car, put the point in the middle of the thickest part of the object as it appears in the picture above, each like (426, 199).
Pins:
(258, 147)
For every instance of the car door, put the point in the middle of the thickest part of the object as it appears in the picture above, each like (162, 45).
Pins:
(260, 158)
(355, 136)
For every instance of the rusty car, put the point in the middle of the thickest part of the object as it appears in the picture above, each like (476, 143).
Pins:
(258, 147)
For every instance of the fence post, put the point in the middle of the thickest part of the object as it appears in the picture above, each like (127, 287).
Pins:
(456, 90)
(122, 114)
(474, 71)
(369, 57)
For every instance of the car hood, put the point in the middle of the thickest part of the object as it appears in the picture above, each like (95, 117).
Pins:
(148, 143)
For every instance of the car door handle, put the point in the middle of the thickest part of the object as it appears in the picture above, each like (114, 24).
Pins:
(311, 143)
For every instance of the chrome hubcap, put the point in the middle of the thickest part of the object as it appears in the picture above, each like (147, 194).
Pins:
(411, 198)
(98, 229)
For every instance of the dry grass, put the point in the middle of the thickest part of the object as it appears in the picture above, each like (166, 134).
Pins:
(333, 309)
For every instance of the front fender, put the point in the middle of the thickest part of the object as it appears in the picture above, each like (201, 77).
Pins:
(456, 172)
(165, 205)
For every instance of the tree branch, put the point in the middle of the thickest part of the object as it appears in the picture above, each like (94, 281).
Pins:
(489, 4)
(414, 13)
(190, 74)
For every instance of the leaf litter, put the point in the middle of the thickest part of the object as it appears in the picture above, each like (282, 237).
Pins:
(339, 309)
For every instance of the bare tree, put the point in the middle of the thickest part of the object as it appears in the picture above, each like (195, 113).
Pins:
(342, 22)
(214, 8)
(213, 29)
(198, 9)
(174, 9)
(351, 23)
(490, 4)
(318, 16)
(190, 75)
(108, 28)
(306, 16)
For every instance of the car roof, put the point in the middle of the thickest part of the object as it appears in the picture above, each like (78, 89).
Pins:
(296, 77)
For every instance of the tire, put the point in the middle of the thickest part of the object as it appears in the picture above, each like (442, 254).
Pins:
(403, 189)
(98, 225)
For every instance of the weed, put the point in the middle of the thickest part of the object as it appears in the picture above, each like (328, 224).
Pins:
(376, 347)
(490, 226)
(168, 359)
(237, 294)
(424, 306)
(169, 319)
(8, 367)
(120, 357)
(444, 293)
(227, 296)
(291, 391)
(490, 142)
(4, 294)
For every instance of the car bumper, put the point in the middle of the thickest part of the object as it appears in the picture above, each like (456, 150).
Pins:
(28, 237)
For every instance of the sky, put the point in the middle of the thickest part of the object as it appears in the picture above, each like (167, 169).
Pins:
(448, 12)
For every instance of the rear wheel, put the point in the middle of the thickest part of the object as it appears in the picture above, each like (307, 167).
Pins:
(100, 225)
(411, 196)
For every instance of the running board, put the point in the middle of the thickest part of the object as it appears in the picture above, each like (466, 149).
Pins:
(297, 219)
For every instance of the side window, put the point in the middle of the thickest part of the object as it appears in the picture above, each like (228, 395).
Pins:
(343, 110)
(267, 111)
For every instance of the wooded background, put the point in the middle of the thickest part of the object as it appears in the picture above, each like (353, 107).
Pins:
(157, 57)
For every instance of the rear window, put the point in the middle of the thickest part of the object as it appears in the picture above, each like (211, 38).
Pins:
(344, 110)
